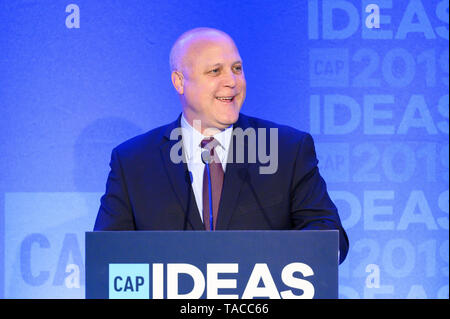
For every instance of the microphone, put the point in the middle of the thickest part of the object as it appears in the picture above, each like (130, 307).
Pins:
(206, 159)
(245, 177)
(188, 179)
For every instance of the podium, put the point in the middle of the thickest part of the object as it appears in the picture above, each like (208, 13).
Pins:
(212, 265)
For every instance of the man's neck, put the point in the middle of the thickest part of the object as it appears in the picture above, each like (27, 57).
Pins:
(196, 124)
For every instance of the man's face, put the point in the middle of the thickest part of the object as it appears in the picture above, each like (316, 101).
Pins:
(214, 83)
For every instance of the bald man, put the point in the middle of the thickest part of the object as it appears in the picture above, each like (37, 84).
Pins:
(208, 76)
(152, 187)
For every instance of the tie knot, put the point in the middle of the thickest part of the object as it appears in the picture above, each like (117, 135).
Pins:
(209, 143)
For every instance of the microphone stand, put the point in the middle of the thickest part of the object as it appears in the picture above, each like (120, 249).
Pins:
(188, 179)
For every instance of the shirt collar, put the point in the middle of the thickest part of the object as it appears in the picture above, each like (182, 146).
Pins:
(192, 138)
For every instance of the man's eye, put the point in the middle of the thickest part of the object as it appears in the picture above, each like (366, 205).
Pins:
(238, 68)
(214, 71)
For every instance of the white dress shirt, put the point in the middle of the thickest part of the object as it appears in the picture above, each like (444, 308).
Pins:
(191, 144)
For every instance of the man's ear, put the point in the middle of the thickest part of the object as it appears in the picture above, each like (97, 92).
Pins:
(177, 81)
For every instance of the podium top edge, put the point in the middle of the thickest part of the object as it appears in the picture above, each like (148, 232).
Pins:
(216, 231)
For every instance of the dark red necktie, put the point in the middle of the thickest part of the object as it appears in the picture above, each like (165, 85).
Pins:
(216, 172)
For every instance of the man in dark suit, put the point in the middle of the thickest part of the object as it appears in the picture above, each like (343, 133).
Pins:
(158, 180)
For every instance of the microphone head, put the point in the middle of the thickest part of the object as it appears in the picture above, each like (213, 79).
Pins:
(206, 157)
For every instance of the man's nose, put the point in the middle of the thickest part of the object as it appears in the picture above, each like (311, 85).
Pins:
(230, 80)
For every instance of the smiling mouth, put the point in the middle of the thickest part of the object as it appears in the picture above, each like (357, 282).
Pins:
(225, 99)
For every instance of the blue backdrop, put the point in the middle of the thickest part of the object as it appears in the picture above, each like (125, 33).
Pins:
(78, 77)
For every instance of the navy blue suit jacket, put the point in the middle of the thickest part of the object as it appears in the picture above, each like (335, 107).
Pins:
(145, 190)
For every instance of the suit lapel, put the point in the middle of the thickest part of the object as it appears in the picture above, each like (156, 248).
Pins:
(234, 177)
(179, 177)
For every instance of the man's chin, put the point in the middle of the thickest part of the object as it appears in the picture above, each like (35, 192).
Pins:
(230, 120)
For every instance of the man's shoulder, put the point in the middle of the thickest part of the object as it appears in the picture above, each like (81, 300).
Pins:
(284, 131)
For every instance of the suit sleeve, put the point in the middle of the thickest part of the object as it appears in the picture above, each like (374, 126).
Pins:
(311, 206)
(115, 212)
